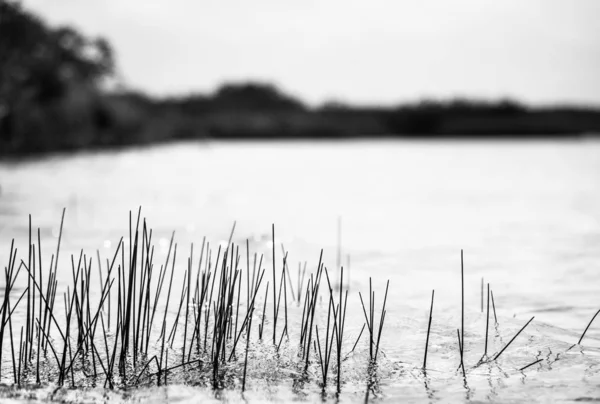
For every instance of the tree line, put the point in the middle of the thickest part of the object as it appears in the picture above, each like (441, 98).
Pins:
(53, 96)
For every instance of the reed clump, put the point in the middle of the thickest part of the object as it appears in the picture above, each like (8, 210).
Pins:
(124, 321)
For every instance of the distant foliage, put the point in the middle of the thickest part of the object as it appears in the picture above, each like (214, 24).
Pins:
(52, 98)
(254, 96)
(44, 70)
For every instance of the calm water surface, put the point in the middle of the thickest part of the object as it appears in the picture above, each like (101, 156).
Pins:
(526, 214)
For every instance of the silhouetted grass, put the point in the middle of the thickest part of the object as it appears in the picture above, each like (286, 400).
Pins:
(462, 311)
(428, 330)
(531, 364)
(70, 344)
(512, 339)
(494, 307)
(588, 326)
(460, 349)
(374, 335)
(487, 321)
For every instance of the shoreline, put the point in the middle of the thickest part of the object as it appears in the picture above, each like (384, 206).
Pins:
(568, 138)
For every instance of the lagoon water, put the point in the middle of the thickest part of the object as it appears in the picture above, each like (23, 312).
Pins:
(526, 215)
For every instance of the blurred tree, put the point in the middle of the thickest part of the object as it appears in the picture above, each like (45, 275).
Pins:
(39, 64)
(254, 96)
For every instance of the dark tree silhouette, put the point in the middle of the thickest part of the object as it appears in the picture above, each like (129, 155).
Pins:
(40, 64)
(52, 98)
(254, 96)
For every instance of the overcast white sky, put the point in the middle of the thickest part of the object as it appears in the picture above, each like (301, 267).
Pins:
(375, 51)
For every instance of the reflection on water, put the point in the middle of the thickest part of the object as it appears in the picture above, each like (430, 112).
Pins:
(526, 214)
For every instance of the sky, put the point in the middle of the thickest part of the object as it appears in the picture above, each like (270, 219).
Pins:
(365, 52)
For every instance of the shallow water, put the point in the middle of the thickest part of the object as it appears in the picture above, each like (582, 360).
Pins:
(526, 214)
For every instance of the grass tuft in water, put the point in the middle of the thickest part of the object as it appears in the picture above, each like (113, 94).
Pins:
(428, 330)
(116, 326)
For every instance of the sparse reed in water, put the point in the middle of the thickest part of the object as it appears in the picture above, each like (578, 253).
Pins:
(513, 338)
(494, 307)
(374, 338)
(462, 309)
(588, 326)
(428, 330)
(460, 349)
(487, 321)
(531, 364)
